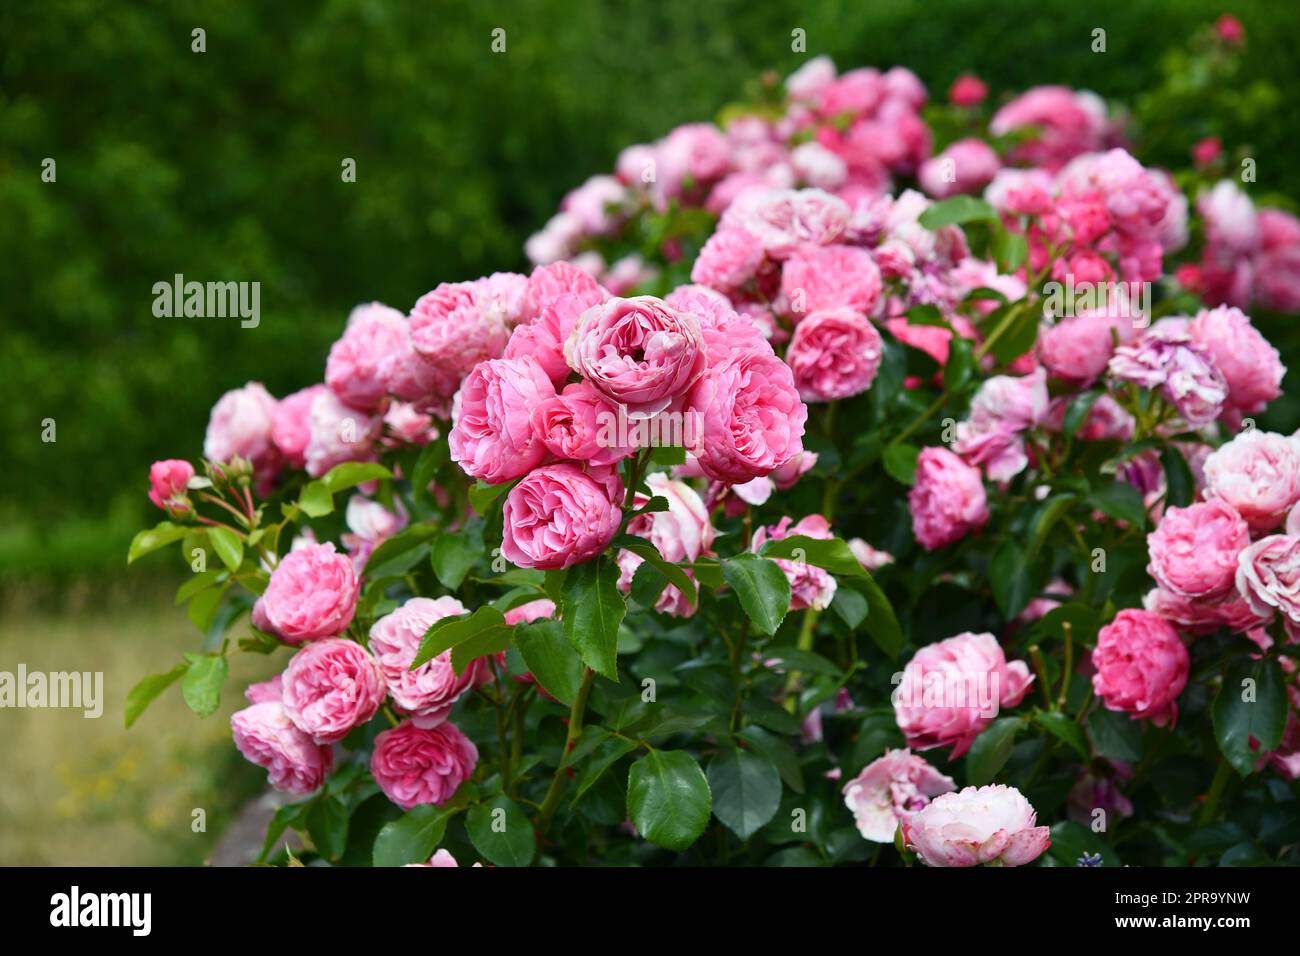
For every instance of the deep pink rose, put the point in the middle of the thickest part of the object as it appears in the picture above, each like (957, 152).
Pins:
(889, 790)
(267, 737)
(1194, 550)
(549, 282)
(951, 690)
(948, 501)
(561, 515)
(835, 353)
(492, 437)
(374, 334)
(1065, 123)
(240, 426)
(1258, 474)
(581, 424)
(330, 687)
(543, 338)
(338, 433)
(168, 481)
(291, 424)
(638, 351)
(1268, 576)
(1141, 666)
(428, 692)
(967, 90)
(1078, 347)
(312, 594)
(415, 765)
(993, 824)
(829, 277)
(1252, 368)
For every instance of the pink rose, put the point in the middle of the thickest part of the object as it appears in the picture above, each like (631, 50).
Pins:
(580, 424)
(492, 436)
(948, 501)
(966, 166)
(1066, 124)
(1252, 368)
(267, 737)
(869, 557)
(240, 426)
(1194, 550)
(1141, 666)
(993, 824)
(967, 90)
(543, 338)
(338, 434)
(428, 692)
(638, 351)
(408, 425)
(729, 259)
(330, 687)
(561, 515)
(415, 765)
(266, 691)
(291, 424)
(1077, 348)
(1268, 576)
(810, 586)
(835, 353)
(168, 481)
(681, 534)
(951, 690)
(829, 277)
(531, 611)
(889, 790)
(549, 282)
(312, 594)
(1198, 618)
(1258, 474)
(784, 219)
(456, 326)
(1184, 371)
(354, 369)
(441, 858)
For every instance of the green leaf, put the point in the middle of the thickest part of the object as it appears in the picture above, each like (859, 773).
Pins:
(1045, 518)
(146, 692)
(411, 838)
(316, 500)
(160, 535)
(668, 798)
(762, 587)
(989, 753)
(648, 552)
(591, 609)
(1064, 729)
(955, 211)
(400, 553)
(1076, 413)
(831, 554)
(1121, 501)
(353, 473)
(1019, 337)
(1010, 249)
(204, 678)
(492, 640)
(850, 606)
(882, 622)
(1251, 703)
(776, 750)
(551, 659)
(746, 791)
(1009, 578)
(289, 815)
(501, 832)
(1179, 483)
(1115, 735)
(451, 631)
(900, 462)
(432, 457)
(959, 369)
(607, 753)
(482, 495)
(228, 545)
(453, 553)
(926, 315)
(203, 607)
(648, 584)
(327, 825)
(199, 582)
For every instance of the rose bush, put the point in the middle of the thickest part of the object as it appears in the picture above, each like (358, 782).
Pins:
(935, 520)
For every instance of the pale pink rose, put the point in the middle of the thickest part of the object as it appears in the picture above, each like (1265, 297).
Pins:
(1194, 550)
(966, 166)
(581, 424)
(787, 475)
(338, 434)
(312, 594)
(1258, 474)
(1268, 576)
(1021, 192)
(428, 692)
(330, 687)
(889, 790)
(460, 324)
(628, 273)
(638, 351)
(1182, 370)
(1231, 222)
(291, 424)
(811, 78)
(948, 500)
(265, 691)
(817, 166)
(548, 283)
(690, 155)
(729, 259)
(168, 481)
(531, 611)
(1108, 419)
(374, 333)
(1252, 368)
(1077, 348)
(492, 436)
(267, 737)
(1003, 408)
(751, 416)
(952, 689)
(416, 765)
(440, 858)
(561, 515)
(835, 353)
(596, 204)
(810, 586)
(1141, 666)
(784, 219)
(1198, 618)
(681, 534)
(369, 525)
(408, 425)
(829, 277)
(870, 558)
(240, 426)
(988, 825)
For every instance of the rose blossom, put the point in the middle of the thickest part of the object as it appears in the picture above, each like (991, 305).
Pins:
(267, 737)
(637, 351)
(951, 690)
(873, 559)
(680, 534)
(460, 324)
(354, 368)
(810, 586)
(1194, 550)
(1251, 367)
(1197, 618)
(561, 515)
(312, 594)
(1268, 576)
(889, 790)
(1141, 666)
(291, 424)
(967, 90)
(338, 434)
(1184, 371)
(835, 353)
(429, 691)
(532, 611)
(729, 259)
(966, 166)
(784, 219)
(948, 501)
(492, 437)
(988, 825)
(240, 426)
(330, 687)
(580, 424)
(1258, 474)
(168, 481)
(415, 765)
(543, 338)
(828, 277)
